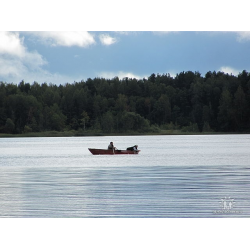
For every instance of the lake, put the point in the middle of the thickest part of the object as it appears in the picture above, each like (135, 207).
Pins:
(174, 176)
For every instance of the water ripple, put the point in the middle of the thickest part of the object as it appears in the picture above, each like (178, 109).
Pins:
(66, 181)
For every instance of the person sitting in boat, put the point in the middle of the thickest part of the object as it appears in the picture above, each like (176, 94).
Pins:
(111, 146)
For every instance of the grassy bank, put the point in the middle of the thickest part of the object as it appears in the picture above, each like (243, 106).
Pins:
(51, 134)
(96, 133)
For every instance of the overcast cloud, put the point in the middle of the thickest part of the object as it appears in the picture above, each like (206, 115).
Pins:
(60, 57)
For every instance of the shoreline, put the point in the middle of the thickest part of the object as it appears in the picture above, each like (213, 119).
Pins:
(93, 133)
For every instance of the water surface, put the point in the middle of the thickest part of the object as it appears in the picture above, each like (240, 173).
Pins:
(173, 176)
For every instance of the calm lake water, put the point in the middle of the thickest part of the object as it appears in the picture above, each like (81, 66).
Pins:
(173, 176)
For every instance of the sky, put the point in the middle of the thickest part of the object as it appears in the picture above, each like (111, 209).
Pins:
(61, 57)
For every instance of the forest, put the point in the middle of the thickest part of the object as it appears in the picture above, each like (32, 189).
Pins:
(188, 102)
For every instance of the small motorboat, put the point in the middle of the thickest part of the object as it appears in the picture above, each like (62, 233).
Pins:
(96, 151)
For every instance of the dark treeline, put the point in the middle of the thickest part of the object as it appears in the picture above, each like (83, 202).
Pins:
(218, 102)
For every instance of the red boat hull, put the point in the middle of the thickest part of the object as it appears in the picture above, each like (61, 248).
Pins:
(95, 151)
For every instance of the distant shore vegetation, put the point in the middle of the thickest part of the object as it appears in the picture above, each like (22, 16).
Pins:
(160, 104)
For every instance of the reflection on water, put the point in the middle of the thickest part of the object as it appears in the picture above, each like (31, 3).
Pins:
(173, 176)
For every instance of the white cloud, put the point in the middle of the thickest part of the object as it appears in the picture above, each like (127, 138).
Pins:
(120, 74)
(66, 38)
(16, 61)
(229, 70)
(14, 70)
(11, 68)
(11, 44)
(106, 39)
(243, 35)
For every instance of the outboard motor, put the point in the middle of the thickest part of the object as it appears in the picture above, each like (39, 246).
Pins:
(130, 148)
